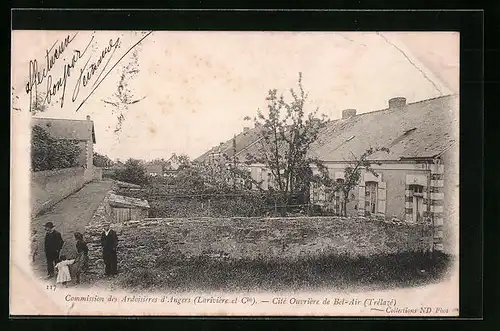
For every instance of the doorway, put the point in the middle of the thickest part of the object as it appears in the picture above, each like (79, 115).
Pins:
(418, 202)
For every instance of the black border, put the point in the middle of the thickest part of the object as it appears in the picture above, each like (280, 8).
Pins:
(468, 23)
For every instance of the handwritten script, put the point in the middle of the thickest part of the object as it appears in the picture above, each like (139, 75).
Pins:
(89, 68)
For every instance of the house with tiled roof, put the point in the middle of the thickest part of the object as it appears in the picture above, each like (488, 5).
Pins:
(80, 131)
(154, 170)
(422, 139)
(226, 150)
(417, 178)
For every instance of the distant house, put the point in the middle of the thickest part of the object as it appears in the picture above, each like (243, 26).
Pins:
(225, 150)
(81, 131)
(234, 149)
(171, 167)
(154, 170)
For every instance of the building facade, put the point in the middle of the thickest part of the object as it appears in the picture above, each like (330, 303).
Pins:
(416, 180)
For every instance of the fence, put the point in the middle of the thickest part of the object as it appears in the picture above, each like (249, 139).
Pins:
(244, 204)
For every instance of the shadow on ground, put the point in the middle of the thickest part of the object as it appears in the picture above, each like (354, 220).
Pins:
(176, 272)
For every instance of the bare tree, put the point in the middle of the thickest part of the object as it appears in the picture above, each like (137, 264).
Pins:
(352, 174)
(124, 97)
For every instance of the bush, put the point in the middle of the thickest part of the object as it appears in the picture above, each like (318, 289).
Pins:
(134, 173)
(48, 153)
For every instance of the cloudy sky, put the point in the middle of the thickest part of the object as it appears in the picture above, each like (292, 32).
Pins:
(196, 87)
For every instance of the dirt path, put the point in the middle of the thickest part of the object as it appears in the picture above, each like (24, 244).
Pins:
(69, 215)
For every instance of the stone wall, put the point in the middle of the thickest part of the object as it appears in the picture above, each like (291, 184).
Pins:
(51, 186)
(143, 242)
(93, 235)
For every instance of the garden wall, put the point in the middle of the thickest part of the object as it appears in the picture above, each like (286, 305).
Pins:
(141, 243)
(51, 186)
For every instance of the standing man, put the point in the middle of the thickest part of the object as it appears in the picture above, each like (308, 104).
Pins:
(53, 245)
(109, 242)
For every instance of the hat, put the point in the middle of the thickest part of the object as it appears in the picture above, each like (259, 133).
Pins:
(49, 225)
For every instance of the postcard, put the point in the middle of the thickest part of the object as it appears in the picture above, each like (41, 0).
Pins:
(225, 173)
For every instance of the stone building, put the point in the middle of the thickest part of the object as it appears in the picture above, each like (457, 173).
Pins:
(416, 180)
(81, 131)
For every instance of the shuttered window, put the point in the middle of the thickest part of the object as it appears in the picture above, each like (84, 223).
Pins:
(371, 189)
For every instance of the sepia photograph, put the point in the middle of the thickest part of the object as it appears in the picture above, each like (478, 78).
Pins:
(234, 173)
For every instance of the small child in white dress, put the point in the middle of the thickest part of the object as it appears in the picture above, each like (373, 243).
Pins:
(62, 267)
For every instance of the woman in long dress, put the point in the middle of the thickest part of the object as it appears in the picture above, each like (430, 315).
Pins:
(82, 258)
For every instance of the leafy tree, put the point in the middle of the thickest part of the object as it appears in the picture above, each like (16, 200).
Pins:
(287, 134)
(48, 153)
(134, 172)
(102, 161)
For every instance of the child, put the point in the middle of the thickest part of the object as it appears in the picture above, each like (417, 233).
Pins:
(34, 246)
(62, 267)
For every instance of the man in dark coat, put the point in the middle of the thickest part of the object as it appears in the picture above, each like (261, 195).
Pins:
(109, 242)
(53, 245)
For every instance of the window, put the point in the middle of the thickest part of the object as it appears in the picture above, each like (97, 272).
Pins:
(371, 197)
(416, 190)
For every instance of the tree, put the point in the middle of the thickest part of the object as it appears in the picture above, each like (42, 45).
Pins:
(182, 160)
(287, 134)
(48, 153)
(134, 172)
(102, 161)
(352, 174)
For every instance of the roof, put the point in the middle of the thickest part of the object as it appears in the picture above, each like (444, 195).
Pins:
(67, 129)
(244, 140)
(422, 129)
(126, 202)
(172, 163)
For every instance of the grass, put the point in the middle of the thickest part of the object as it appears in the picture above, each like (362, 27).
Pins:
(176, 272)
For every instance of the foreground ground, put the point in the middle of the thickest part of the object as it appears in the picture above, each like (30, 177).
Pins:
(69, 215)
(340, 273)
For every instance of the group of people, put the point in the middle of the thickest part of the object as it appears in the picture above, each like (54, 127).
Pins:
(68, 268)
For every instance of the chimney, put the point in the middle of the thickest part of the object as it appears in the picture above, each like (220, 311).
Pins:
(88, 117)
(246, 129)
(398, 103)
(348, 113)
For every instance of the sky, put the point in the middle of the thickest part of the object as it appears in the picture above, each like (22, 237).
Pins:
(195, 88)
